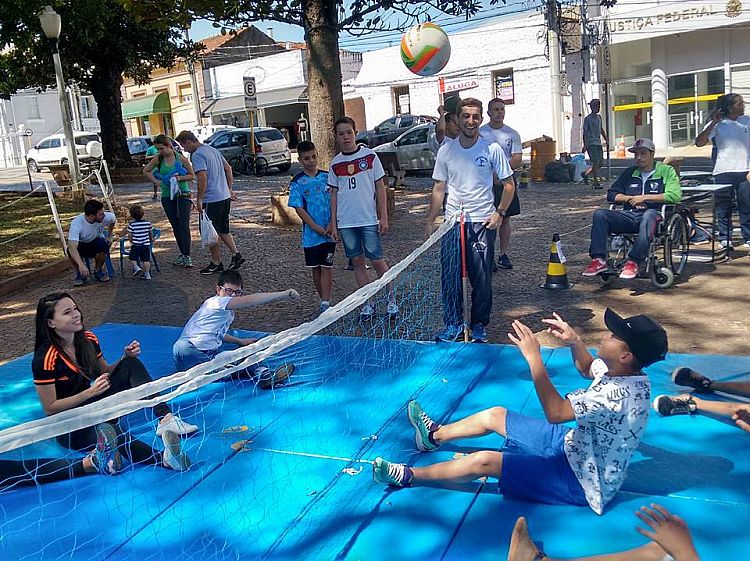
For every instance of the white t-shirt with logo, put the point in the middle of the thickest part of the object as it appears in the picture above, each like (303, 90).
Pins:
(82, 231)
(354, 177)
(468, 174)
(611, 417)
(208, 325)
(508, 139)
(732, 145)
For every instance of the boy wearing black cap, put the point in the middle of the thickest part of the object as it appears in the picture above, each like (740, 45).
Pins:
(543, 460)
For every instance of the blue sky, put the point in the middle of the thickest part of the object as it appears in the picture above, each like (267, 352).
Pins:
(452, 24)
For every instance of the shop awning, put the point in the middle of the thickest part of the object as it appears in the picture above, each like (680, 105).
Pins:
(272, 98)
(147, 105)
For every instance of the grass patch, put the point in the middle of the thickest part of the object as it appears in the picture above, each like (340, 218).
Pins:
(42, 245)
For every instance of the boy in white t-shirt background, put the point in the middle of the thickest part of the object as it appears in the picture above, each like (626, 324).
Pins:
(544, 460)
(205, 334)
(359, 212)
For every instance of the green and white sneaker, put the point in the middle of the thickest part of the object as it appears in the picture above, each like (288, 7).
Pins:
(423, 425)
(394, 475)
(179, 262)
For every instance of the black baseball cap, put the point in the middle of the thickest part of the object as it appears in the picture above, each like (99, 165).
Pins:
(646, 339)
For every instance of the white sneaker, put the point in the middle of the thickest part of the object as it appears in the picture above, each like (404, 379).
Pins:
(177, 426)
(173, 456)
(137, 271)
(725, 244)
(392, 309)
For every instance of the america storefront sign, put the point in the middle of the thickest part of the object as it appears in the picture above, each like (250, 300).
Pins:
(459, 85)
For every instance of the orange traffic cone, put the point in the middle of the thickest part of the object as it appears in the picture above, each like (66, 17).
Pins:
(557, 275)
(620, 152)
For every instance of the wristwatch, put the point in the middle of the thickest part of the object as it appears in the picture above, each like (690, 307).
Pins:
(502, 212)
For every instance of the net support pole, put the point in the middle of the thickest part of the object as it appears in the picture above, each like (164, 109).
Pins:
(105, 191)
(464, 280)
(109, 181)
(56, 216)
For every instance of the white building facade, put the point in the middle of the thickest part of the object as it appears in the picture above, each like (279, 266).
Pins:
(29, 116)
(281, 83)
(505, 59)
(669, 63)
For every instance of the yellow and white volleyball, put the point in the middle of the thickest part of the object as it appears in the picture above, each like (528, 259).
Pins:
(425, 49)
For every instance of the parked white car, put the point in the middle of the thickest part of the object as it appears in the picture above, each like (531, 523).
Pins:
(205, 131)
(52, 150)
(270, 145)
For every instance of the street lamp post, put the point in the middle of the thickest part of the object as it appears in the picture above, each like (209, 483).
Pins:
(51, 25)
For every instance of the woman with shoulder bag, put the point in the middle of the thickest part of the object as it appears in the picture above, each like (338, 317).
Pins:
(173, 173)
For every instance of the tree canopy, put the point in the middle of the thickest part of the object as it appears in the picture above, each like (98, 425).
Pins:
(100, 43)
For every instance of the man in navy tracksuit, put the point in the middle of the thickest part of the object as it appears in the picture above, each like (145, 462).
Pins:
(642, 189)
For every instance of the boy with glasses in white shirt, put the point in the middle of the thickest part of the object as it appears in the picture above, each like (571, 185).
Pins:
(206, 332)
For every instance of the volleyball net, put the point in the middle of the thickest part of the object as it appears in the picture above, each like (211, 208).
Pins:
(348, 369)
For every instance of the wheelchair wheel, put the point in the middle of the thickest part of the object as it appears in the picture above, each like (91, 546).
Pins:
(661, 277)
(676, 244)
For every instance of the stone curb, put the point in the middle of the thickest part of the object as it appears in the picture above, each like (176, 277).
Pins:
(41, 273)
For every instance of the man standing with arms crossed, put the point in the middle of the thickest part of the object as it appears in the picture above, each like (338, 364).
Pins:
(468, 167)
(215, 195)
(510, 141)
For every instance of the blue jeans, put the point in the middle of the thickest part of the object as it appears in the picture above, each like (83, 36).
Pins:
(362, 238)
(186, 355)
(741, 190)
(608, 222)
(480, 252)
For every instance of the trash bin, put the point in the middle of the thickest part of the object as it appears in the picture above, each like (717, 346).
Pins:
(542, 153)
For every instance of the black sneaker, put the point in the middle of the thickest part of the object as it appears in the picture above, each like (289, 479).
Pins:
(237, 261)
(667, 405)
(684, 376)
(212, 268)
(503, 262)
(585, 177)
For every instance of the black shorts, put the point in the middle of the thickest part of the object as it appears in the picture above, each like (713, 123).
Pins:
(140, 253)
(218, 214)
(320, 255)
(88, 250)
(515, 205)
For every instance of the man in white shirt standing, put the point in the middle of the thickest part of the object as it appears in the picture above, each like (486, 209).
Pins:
(510, 141)
(86, 240)
(468, 167)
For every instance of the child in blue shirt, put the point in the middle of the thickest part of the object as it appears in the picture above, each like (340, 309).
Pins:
(309, 196)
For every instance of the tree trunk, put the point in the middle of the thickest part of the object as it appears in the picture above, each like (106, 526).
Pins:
(105, 85)
(326, 104)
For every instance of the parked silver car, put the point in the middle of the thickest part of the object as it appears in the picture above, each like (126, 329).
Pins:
(270, 145)
(412, 148)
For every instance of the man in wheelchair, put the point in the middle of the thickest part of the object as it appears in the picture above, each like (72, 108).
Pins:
(641, 189)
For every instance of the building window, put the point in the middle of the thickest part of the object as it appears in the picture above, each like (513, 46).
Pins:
(401, 102)
(185, 93)
(141, 93)
(86, 112)
(502, 85)
(32, 107)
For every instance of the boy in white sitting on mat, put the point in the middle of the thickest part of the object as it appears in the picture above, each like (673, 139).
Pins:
(206, 332)
(545, 461)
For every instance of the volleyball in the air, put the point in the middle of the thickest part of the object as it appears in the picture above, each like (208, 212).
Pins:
(425, 49)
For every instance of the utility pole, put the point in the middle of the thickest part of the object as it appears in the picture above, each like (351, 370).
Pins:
(553, 45)
(194, 85)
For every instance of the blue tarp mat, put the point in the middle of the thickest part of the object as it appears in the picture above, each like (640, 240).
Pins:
(298, 492)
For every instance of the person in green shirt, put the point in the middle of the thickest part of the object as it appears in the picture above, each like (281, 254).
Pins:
(172, 173)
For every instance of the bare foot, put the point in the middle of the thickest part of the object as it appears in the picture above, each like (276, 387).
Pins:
(521, 546)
